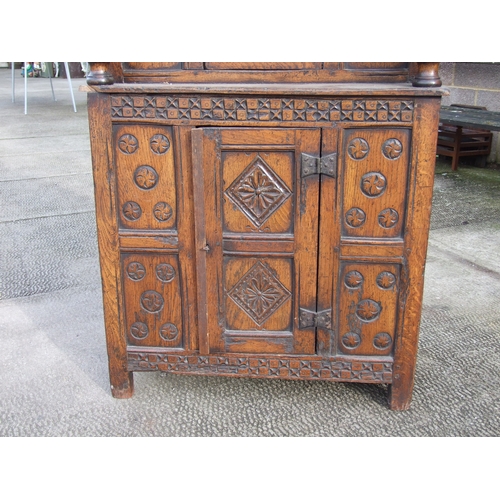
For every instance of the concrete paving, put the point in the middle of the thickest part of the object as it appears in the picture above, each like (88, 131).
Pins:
(53, 361)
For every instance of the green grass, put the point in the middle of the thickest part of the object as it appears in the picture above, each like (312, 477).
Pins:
(489, 176)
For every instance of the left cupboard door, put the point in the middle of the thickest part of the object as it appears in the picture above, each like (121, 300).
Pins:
(256, 218)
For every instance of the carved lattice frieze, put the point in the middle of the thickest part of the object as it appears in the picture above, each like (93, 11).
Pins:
(260, 109)
(268, 367)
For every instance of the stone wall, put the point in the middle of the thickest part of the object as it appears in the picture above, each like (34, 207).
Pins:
(476, 84)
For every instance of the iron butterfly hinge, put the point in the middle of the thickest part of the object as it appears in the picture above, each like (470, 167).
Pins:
(320, 319)
(314, 165)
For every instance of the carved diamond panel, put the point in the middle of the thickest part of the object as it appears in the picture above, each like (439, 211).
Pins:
(258, 192)
(259, 293)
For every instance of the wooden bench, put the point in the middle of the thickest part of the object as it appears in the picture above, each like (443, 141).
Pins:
(457, 141)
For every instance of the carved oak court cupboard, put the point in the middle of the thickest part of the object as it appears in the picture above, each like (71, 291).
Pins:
(264, 219)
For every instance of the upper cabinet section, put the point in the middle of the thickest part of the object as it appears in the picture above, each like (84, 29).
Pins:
(420, 74)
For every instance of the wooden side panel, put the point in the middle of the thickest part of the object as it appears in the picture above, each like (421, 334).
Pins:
(107, 230)
(256, 239)
(415, 242)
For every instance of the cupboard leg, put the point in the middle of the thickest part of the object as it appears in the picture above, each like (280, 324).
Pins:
(399, 397)
(122, 384)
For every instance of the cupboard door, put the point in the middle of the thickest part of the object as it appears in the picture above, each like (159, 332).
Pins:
(256, 223)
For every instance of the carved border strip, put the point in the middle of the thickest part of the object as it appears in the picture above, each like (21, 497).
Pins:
(244, 366)
(261, 109)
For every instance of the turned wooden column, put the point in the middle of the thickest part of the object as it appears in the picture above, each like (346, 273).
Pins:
(104, 73)
(427, 75)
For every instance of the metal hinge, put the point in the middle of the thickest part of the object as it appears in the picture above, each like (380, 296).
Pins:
(321, 319)
(313, 165)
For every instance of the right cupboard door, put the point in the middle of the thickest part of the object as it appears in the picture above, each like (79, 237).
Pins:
(362, 221)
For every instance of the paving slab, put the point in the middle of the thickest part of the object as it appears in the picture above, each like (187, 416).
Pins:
(42, 165)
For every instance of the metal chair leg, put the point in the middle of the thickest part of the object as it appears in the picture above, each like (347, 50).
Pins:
(25, 88)
(68, 76)
(13, 84)
(50, 79)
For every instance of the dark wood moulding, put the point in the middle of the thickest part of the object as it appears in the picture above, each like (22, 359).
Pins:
(420, 74)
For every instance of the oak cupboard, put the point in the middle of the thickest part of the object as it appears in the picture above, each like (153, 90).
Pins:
(264, 219)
